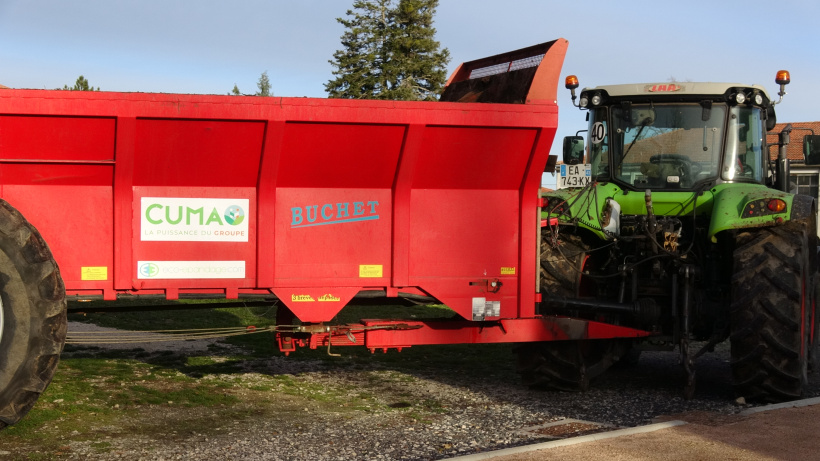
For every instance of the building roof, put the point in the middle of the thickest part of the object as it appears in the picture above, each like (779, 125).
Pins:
(795, 148)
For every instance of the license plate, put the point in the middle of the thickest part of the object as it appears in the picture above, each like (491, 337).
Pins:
(575, 176)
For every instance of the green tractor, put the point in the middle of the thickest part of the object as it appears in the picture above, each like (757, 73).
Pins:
(672, 218)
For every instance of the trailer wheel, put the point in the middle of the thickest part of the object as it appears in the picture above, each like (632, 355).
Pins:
(565, 365)
(771, 318)
(32, 315)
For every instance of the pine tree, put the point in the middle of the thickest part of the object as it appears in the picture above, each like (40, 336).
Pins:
(419, 63)
(389, 52)
(235, 91)
(81, 85)
(264, 85)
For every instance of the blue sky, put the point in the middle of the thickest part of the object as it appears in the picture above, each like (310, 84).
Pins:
(207, 46)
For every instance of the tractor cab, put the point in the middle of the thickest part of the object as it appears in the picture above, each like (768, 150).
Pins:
(674, 136)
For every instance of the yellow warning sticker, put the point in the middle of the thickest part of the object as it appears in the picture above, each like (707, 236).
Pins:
(507, 271)
(370, 271)
(302, 298)
(94, 273)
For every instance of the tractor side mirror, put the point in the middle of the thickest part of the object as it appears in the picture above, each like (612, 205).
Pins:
(811, 149)
(642, 117)
(573, 150)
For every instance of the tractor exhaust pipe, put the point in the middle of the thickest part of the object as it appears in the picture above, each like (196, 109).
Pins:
(783, 172)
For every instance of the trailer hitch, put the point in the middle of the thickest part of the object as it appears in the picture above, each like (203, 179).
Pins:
(289, 337)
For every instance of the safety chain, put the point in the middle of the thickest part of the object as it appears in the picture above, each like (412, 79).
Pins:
(152, 336)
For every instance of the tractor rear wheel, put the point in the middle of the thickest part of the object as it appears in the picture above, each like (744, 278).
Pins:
(771, 318)
(565, 365)
(32, 315)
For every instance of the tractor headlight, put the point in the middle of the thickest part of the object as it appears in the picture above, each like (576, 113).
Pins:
(583, 102)
(597, 99)
(759, 99)
(740, 97)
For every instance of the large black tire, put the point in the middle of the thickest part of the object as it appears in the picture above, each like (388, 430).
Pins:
(32, 315)
(565, 365)
(561, 266)
(771, 313)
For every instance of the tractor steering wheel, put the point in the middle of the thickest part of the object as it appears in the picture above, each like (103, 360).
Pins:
(687, 168)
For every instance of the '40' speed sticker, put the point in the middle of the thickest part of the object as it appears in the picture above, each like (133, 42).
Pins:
(597, 133)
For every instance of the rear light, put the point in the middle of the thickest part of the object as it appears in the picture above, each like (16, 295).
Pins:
(776, 205)
(764, 207)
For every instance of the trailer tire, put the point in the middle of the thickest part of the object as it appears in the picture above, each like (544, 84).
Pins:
(565, 365)
(770, 313)
(32, 315)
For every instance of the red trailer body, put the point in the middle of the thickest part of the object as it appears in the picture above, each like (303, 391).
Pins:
(312, 200)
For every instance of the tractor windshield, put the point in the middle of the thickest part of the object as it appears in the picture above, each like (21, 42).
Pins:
(659, 146)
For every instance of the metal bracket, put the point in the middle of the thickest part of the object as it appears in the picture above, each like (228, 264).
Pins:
(688, 272)
(488, 285)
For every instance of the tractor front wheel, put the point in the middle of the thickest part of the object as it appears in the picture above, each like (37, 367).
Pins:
(32, 315)
(565, 365)
(771, 318)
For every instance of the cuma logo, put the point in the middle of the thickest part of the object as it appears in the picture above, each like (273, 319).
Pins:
(158, 214)
(149, 270)
(234, 215)
(179, 219)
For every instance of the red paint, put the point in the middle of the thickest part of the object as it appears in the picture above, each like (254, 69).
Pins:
(664, 88)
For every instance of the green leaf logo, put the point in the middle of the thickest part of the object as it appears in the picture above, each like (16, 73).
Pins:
(234, 215)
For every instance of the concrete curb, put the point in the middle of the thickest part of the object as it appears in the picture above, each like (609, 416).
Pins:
(622, 432)
(779, 406)
(572, 441)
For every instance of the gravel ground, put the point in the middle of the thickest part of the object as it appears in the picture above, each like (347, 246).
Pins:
(452, 413)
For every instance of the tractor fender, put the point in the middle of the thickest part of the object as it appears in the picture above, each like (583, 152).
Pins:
(744, 206)
(803, 207)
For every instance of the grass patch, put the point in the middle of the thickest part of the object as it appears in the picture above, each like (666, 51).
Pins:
(111, 396)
